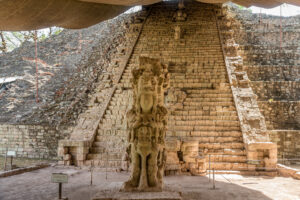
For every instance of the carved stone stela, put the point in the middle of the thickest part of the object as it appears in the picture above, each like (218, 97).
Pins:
(147, 122)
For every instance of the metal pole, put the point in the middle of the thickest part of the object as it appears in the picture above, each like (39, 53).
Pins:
(11, 162)
(260, 17)
(214, 186)
(209, 168)
(106, 165)
(5, 159)
(59, 190)
(92, 167)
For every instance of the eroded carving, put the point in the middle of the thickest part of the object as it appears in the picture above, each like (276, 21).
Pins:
(147, 126)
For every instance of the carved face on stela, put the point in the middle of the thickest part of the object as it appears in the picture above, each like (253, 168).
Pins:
(149, 79)
(147, 87)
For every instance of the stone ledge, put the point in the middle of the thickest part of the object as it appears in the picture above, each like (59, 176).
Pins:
(22, 170)
(288, 171)
(74, 143)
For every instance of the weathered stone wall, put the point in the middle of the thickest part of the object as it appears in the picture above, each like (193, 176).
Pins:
(274, 73)
(31, 141)
(284, 115)
(80, 66)
(288, 143)
(273, 66)
(277, 90)
(69, 67)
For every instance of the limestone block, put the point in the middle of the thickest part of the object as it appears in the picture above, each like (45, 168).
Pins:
(172, 157)
(172, 144)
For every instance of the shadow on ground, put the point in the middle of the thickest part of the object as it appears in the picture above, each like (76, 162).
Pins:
(37, 185)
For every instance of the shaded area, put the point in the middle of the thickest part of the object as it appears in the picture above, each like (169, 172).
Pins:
(36, 14)
(36, 185)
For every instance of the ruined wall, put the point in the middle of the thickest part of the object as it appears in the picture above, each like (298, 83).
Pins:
(31, 141)
(75, 71)
(288, 143)
(277, 90)
(202, 115)
(273, 66)
(281, 115)
(69, 66)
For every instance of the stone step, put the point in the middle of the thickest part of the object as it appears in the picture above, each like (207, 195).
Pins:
(118, 103)
(209, 108)
(110, 138)
(229, 166)
(199, 73)
(207, 103)
(98, 147)
(223, 123)
(111, 132)
(220, 139)
(215, 133)
(204, 128)
(231, 145)
(197, 92)
(198, 76)
(104, 163)
(203, 113)
(223, 172)
(181, 74)
(194, 80)
(193, 85)
(211, 95)
(227, 158)
(237, 152)
(210, 100)
(200, 117)
(108, 123)
(105, 156)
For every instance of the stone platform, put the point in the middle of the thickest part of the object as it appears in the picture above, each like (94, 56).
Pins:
(139, 196)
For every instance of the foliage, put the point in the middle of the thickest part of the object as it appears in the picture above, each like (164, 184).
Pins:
(12, 40)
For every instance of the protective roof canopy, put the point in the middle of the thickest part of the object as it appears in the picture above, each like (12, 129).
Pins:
(35, 14)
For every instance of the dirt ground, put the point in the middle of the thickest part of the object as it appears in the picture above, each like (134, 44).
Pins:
(37, 185)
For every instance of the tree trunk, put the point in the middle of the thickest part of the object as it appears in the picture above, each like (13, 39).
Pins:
(3, 48)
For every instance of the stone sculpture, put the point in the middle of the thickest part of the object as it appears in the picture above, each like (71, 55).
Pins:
(147, 126)
(180, 14)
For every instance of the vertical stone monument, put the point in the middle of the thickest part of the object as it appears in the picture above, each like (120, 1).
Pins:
(147, 122)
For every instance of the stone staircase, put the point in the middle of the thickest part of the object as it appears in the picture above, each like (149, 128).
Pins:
(205, 116)
(111, 139)
(208, 115)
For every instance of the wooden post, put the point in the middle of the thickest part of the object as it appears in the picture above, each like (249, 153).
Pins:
(60, 178)
(59, 190)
